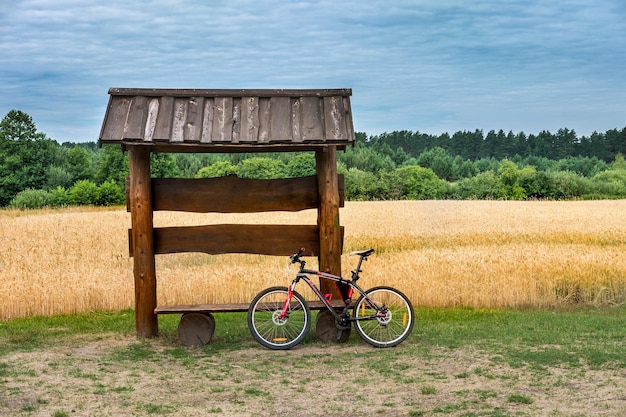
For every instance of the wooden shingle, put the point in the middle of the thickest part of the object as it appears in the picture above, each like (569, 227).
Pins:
(180, 120)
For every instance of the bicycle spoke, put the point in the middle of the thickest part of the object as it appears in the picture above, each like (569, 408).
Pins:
(267, 324)
(393, 317)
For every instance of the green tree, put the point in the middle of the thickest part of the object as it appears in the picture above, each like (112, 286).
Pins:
(31, 199)
(366, 159)
(536, 184)
(111, 165)
(610, 184)
(57, 177)
(421, 183)
(218, 169)
(190, 163)
(110, 194)
(301, 165)
(484, 186)
(84, 193)
(620, 162)
(510, 176)
(360, 185)
(25, 155)
(440, 162)
(163, 165)
(79, 163)
(261, 167)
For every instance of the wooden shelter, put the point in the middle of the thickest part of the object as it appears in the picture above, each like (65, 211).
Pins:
(143, 121)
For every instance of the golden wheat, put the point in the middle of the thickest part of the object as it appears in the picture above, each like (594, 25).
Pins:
(440, 253)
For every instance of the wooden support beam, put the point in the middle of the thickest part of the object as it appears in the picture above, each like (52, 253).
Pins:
(328, 217)
(144, 269)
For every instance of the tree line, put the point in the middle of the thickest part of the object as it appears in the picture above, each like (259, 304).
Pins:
(36, 171)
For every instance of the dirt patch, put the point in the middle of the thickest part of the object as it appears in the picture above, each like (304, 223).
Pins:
(114, 376)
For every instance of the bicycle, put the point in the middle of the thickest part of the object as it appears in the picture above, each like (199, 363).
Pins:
(280, 318)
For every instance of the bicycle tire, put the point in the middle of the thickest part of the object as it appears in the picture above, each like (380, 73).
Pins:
(268, 329)
(394, 327)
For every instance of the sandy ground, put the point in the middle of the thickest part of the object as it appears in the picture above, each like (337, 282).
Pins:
(103, 375)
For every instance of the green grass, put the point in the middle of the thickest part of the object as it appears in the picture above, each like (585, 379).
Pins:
(27, 334)
(543, 337)
(535, 337)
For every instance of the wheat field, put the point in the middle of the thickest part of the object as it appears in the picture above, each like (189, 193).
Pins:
(439, 253)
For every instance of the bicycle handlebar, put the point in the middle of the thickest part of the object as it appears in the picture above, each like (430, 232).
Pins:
(296, 256)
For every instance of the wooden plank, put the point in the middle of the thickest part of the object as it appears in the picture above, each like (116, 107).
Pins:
(280, 119)
(207, 121)
(234, 195)
(180, 119)
(201, 308)
(229, 308)
(115, 118)
(249, 128)
(193, 92)
(163, 127)
(193, 128)
(226, 147)
(312, 119)
(296, 120)
(236, 125)
(334, 118)
(265, 111)
(349, 121)
(222, 119)
(279, 240)
(153, 112)
(135, 124)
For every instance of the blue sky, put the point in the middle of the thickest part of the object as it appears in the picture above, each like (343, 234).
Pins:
(432, 66)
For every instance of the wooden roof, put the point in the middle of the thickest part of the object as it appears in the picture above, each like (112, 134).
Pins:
(180, 120)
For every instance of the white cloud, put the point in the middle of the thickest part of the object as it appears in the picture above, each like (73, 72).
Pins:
(418, 65)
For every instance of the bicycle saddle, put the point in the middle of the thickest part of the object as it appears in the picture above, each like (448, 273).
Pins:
(363, 253)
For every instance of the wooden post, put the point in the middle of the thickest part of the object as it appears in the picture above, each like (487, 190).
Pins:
(144, 269)
(328, 217)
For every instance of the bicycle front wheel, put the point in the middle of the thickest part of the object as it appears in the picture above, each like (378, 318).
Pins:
(266, 325)
(383, 317)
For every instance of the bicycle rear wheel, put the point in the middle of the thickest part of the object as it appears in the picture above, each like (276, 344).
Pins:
(272, 331)
(387, 320)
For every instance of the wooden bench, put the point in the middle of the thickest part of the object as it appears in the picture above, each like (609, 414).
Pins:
(197, 324)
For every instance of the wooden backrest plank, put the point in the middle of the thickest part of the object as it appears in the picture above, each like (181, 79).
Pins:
(235, 195)
(261, 239)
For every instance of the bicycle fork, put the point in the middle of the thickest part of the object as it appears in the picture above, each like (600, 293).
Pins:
(285, 311)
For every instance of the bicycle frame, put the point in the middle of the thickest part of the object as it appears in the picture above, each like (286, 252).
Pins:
(303, 274)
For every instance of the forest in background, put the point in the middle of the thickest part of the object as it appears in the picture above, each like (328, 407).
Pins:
(36, 171)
